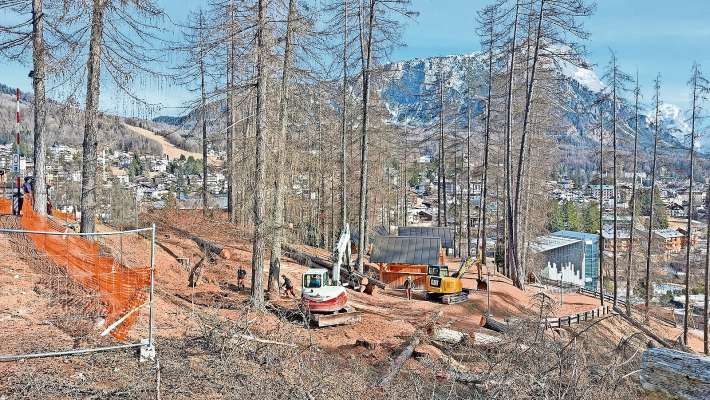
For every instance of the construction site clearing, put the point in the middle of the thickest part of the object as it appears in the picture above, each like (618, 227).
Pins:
(211, 343)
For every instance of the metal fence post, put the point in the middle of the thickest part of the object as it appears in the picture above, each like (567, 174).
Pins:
(151, 313)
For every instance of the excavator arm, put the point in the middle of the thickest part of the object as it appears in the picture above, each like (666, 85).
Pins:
(468, 262)
(341, 254)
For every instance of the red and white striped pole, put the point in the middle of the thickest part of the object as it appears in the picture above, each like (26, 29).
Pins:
(17, 149)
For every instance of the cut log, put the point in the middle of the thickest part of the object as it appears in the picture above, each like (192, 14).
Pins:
(212, 247)
(408, 349)
(676, 374)
(481, 285)
(490, 323)
(260, 340)
(398, 362)
(446, 335)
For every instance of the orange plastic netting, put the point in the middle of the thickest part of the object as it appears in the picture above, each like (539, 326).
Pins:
(120, 289)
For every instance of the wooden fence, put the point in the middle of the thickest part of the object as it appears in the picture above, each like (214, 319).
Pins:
(558, 322)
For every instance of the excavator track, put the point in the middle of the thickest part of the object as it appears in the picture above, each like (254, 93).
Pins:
(455, 298)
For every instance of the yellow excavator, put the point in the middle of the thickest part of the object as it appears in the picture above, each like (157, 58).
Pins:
(448, 289)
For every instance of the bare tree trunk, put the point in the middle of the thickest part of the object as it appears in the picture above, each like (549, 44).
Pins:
(510, 223)
(633, 203)
(279, 175)
(601, 205)
(468, 193)
(706, 339)
(442, 152)
(257, 261)
(613, 133)
(366, 53)
(232, 117)
(690, 206)
(457, 233)
(91, 126)
(405, 181)
(650, 218)
(459, 209)
(343, 124)
(40, 111)
(203, 117)
(519, 274)
(486, 144)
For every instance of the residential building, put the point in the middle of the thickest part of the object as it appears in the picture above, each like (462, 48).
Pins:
(607, 191)
(672, 240)
(623, 238)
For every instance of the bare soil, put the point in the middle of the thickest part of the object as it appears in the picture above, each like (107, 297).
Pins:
(196, 329)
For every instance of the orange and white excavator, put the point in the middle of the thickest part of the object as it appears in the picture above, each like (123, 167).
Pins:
(323, 296)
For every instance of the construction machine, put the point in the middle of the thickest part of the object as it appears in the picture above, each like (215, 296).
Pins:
(448, 289)
(322, 294)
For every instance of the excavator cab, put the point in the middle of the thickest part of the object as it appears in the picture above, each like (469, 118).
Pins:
(315, 278)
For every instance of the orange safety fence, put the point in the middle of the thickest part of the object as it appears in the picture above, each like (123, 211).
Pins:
(120, 289)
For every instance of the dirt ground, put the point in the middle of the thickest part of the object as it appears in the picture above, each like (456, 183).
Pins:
(29, 322)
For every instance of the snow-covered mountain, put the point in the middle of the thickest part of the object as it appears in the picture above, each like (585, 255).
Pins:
(410, 93)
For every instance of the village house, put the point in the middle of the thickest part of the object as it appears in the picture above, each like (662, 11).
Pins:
(672, 240)
(607, 191)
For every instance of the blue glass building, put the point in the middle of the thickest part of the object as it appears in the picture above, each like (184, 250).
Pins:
(591, 255)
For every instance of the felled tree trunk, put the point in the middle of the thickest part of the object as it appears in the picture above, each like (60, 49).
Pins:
(676, 374)
(398, 362)
(490, 323)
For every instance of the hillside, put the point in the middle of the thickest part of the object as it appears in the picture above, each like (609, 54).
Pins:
(206, 335)
(65, 125)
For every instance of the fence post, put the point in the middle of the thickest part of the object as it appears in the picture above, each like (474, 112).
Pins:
(151, 317)
(147, 352)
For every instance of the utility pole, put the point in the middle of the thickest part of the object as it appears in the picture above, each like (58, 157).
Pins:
(16, 162)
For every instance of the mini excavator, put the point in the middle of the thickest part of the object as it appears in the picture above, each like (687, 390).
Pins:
(323, 295)
(445, 288)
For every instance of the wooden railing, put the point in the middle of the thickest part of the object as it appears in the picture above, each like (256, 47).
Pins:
(569, 320)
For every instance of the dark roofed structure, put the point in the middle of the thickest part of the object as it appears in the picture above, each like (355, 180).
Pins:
(445, 234)
(378, 230)
(412, 250)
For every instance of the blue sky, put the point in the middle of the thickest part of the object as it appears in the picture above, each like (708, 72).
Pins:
(655, 36)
